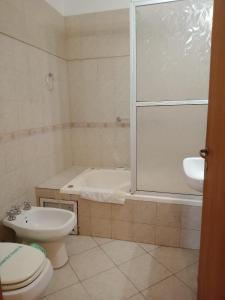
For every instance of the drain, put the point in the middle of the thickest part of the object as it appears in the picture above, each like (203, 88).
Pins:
(70, 186)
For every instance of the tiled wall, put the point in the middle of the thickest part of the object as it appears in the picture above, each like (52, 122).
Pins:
(98, 53)
(34, 122)
(174, 225)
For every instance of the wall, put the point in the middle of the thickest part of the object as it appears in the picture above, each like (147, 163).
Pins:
(34, 122)
(98, 53)
(167, 224)
(78, 7)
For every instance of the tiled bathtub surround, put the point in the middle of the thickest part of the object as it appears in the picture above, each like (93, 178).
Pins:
(34, 132)
(174, 225)
(98, 53)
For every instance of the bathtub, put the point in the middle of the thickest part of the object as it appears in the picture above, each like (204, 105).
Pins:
(113, 186)
(106, 208)
(103, 185)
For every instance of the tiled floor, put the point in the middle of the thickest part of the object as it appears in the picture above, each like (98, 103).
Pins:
(104, 269)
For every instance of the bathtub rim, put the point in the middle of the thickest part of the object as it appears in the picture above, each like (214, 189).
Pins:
(166, 198)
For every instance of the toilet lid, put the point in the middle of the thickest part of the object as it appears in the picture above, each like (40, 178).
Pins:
(19, 264)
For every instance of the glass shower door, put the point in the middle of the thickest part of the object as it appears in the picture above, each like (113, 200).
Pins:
(170, 67)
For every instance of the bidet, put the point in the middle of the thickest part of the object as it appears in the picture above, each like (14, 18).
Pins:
(48, 227)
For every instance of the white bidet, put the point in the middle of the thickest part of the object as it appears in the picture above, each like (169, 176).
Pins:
(48, 227)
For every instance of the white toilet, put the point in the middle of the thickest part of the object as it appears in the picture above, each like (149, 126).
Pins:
(25, 272)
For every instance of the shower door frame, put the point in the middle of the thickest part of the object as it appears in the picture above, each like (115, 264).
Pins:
(134, 104)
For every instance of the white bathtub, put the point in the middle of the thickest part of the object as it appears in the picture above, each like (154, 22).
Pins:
(113, 186)
(104, 185)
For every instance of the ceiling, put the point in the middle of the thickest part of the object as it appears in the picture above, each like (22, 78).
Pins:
(77, 7)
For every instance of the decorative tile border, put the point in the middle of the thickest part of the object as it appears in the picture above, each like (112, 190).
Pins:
(123, 124)
(23, 133)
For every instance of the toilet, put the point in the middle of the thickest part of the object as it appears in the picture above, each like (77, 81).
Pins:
(25, 272)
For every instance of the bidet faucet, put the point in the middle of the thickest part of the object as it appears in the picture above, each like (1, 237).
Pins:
(27, 205)
(16, 209)
(11, 215)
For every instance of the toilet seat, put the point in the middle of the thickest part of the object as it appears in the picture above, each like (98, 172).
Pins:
(19, 285)
(19, 265)
(35, 289)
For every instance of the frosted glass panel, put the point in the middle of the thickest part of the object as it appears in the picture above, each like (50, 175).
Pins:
(173, 50)
(165, 136)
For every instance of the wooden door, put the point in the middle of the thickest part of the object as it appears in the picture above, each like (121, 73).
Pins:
(212, 254)
(0, 292)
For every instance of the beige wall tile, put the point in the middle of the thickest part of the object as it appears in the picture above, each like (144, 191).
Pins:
(100, 210)
(101, 227)
(123, 212)
(144, 233)
(168, 236)
(168, 215)
(122, 230)
(84, 225)
(191, 217)
(103, 92)
(84, 208)
(45, 193)
(25, 101)
(145, 212)
(190, 239)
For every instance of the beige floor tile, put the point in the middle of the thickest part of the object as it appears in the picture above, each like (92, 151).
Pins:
(144, 271)
(137, 297)
(109, 285)
(62, 278)
(169, 289)
(148, 247)
(189, 276)
(175, 259)
(121, 251)
(78, 244)
(74, 292)
(90, 263)
(102, 241)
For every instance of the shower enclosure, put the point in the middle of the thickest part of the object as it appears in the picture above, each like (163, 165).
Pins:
(170, 61)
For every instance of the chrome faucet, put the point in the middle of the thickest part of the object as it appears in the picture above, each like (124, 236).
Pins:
(16, 209)
(27, 205)
(11, 215)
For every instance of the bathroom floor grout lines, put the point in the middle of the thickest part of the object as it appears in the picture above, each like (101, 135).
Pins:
(139, 291)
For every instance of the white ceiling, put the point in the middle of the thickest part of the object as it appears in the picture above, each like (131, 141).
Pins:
(77, 7)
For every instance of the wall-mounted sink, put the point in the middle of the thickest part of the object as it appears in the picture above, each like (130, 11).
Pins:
(194, 171)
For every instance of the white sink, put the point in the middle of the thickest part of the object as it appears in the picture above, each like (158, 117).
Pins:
(194, 171)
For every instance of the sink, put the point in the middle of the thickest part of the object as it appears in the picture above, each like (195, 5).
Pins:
(194, 171)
